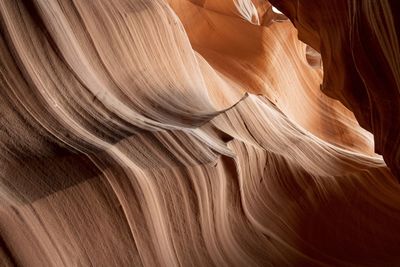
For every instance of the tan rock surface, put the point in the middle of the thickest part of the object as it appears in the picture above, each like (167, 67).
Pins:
(195, 133)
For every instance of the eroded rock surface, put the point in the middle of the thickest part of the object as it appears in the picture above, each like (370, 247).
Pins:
(197, 133)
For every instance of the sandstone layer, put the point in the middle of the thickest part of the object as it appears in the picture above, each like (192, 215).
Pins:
(199, 133)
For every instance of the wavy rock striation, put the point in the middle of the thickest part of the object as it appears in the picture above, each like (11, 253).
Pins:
(359, 44)
(195, 133)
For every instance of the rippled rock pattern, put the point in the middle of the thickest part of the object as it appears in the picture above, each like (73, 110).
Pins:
(199, 133)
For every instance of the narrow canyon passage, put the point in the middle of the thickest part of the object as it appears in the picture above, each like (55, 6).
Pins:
(199, 133)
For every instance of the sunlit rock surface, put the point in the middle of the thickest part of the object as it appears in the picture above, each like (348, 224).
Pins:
(199, 133)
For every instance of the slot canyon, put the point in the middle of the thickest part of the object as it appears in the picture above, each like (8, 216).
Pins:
(199, 133)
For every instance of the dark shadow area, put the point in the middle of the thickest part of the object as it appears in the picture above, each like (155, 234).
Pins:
(32, 178)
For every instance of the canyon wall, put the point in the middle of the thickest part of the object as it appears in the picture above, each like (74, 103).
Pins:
(199, 133)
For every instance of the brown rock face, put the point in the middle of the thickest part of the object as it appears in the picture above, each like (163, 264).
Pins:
(359, 44)
(199, 133)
